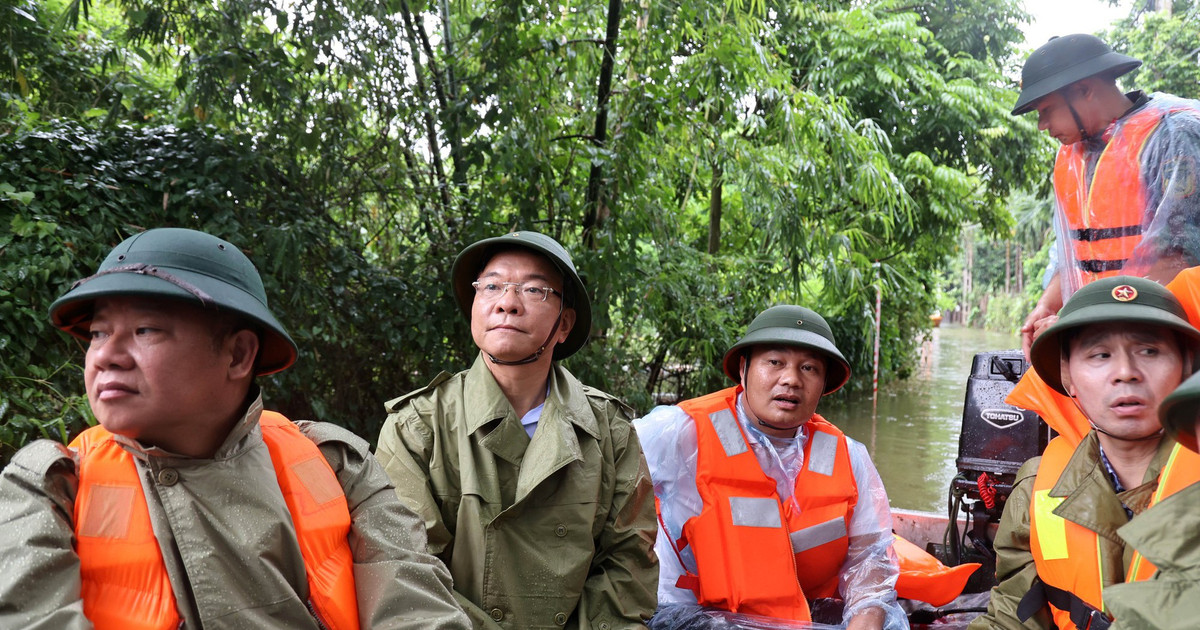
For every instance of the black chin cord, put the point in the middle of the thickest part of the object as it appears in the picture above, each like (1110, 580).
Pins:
(771, 426)
(1083, 133)
(537, 354)
(1156, 434)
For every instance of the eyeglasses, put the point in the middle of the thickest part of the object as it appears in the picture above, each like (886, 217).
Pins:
(492, 291)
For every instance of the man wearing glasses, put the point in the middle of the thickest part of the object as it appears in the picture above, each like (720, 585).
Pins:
(532, 486)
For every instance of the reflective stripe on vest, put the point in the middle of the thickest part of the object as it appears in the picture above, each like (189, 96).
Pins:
(124, 579)
(1104, 219)
(1067, 555)
(816, 534)
(1181, 471)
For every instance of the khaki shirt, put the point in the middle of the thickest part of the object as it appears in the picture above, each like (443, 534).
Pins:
(544, 533)
(226, 536)
(1094, 504)
(1168, 535)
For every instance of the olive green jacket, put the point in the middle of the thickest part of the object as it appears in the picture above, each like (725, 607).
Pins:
(543, 533)
(226, 535)
(1168, 535)
(1092, 504)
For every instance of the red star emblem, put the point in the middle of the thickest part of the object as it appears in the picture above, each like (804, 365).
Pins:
(1124, 293)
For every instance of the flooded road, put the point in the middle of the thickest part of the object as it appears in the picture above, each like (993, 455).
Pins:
(913, 434)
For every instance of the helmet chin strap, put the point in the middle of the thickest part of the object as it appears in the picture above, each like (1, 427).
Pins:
(1156, 434)
(537, 353)
(1083, 132)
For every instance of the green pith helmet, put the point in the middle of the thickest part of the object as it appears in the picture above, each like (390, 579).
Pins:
(787, 325)
(473, 259)
(1179, 410)
(185, 265)
(1065, 60)
(1120, 299)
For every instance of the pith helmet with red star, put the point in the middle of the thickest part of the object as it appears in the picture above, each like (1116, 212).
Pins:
(1122, 299)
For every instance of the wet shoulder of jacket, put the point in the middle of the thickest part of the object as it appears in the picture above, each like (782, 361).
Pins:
(396, 404)
(599, 399)
(40, 458)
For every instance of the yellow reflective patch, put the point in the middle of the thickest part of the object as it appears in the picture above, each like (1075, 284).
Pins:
(1051, 528)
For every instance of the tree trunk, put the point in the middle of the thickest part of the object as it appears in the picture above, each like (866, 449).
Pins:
(1020, 269)
(1007, 267)
(594, 202)
(714, 209)
(430, 125)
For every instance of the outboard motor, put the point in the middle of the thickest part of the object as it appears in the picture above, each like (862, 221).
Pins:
(996, 439)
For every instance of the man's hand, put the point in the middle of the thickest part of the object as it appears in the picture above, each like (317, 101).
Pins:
(1044, 313)
(868, 619)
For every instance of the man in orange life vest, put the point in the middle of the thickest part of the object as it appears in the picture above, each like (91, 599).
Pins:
(1167, 534)
(1127, 174)
(190, 506)
(764, 504)
(1119, 346)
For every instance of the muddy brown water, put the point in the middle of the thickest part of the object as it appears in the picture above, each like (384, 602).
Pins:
(912, 434)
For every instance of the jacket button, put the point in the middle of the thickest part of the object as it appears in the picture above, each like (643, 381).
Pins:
(604, 625)
(168, 476)
(560, 619)
(560, 531)
(497, 614)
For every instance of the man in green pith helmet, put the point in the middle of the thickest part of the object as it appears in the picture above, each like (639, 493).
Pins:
(765, 505)
(1166, 536)
(190, 506)
(1119, 346)
(532, 485)
(1127, 174)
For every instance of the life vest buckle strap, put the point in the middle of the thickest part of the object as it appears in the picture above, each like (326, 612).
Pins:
(1091, 619)
(1099, 234)
(1084, 616)
(1033, 600)
(1101, 266)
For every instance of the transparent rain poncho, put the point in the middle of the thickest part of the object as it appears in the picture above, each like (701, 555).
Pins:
(868, 576)
(1130, 199)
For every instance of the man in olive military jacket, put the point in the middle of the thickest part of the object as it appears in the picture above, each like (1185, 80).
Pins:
(532, 485)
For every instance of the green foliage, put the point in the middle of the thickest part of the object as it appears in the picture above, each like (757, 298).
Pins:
(747, 154)
(1167, 44)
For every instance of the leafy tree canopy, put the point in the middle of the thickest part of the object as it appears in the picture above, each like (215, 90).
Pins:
(702, 160)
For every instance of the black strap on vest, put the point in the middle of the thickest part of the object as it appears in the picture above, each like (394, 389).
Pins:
(1082, 615)
(1101, 266)
(1100, 234)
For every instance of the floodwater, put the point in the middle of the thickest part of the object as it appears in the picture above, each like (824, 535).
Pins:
(912, 434)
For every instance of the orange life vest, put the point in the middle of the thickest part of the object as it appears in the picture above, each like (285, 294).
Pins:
(923, 577)
(747, 543)
(1067, 555)
(1104, 218)
(125, 582)
(1181, 471)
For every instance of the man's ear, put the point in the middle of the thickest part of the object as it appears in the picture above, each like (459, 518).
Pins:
(242, 346)
(565, 325)
(1064, 372)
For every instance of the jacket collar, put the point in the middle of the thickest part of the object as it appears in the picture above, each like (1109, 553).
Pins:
(555, 443)
(566, 397)
(1090, 499)
(1169, 533)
